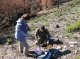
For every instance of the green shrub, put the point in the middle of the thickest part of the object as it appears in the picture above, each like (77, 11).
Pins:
(78, 57)
(33, 27)
(58, 13)
(10, 40)
(46, 23)
(73, 27)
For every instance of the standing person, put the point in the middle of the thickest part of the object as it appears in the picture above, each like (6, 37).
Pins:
(21, 32)
(42, 34)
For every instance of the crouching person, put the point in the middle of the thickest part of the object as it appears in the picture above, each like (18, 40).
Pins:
(21, 32)
(43, 36)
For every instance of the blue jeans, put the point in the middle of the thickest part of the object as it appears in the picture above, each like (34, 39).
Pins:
(23, 44)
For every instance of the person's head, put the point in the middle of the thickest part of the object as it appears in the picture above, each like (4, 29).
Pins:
(42, 28)
(25, 17)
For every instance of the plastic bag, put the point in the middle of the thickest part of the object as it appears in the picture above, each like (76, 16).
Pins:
(38, 50)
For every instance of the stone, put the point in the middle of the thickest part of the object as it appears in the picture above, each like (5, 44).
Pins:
(79, 48)
(59, 47)
(57, 26)
(71, 45)
(73, 42)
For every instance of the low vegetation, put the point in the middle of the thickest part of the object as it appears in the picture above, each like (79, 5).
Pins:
(73, 27)
(78, 57)
(10, 40)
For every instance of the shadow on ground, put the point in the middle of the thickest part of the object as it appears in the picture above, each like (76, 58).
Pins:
(53, 41)
(55, 54)
(9, 40)
(60, 2)
(3, 40)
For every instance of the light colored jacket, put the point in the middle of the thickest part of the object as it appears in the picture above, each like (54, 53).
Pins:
(21, 29)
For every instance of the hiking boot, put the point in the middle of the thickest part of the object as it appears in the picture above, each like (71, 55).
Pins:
(21, 51)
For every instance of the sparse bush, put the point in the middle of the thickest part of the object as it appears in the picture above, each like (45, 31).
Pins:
(33, 27)
(73, 27)
(10, 9)
(2, 40)
(78, 57)
(10, 40)
(58, 12)
(46, 23)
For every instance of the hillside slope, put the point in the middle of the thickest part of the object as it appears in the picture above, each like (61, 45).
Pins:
(67, 13)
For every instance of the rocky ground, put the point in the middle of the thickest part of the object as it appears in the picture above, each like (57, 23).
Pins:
(12, 51)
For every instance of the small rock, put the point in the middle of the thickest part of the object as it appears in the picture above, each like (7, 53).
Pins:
(66, 37)
(76, 51)
(73, 42)
(57, 26)
(59, 47)
(79, 48)
(64, 46)
(71, 45)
